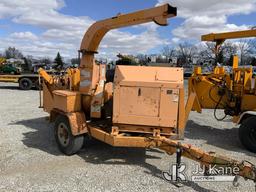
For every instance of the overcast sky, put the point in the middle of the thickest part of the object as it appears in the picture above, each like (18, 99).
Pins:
(42, 28)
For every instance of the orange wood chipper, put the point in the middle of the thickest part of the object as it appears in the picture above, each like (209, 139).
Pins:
(143, 107)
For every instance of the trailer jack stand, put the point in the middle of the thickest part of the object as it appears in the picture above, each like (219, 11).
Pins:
(235, 182)
(178, 180)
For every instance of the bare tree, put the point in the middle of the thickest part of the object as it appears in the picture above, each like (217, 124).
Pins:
(143, 59)
(186, 51)
(46, 61)
(253, 44)
(245, 48)
(207, 51)
(12, 52)
(225, 51)
(168, 52)
(229, 49)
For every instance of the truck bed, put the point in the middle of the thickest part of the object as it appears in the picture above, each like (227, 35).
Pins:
(26, 81)
(15, 78)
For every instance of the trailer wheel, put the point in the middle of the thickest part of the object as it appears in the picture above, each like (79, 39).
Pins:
(247, 133)
(67, 143)
(25, 84)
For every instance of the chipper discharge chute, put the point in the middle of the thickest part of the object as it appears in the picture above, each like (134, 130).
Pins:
(144, 107)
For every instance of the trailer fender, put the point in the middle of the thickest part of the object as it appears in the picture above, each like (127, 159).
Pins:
(246, 115)
(77, 121)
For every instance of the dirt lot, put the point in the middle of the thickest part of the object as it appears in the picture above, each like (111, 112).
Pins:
(30, 160)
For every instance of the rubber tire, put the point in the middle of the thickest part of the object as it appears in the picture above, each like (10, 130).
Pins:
(75, 142)
(29, 84)
(245, 136)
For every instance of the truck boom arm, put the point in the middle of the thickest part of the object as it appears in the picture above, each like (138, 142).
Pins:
(219, 38)
(48, 78)
(229, 35)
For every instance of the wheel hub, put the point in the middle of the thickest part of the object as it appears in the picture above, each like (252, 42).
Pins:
(253, 134)
(63, 134)
(25, 84)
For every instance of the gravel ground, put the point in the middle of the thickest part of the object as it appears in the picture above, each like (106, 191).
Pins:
(30, 160)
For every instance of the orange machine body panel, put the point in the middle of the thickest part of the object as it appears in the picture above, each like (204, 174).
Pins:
(147, 95)
(67, 101)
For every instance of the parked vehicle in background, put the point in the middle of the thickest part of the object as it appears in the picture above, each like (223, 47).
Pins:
(25, 81)
(9, 69)
(2, 60)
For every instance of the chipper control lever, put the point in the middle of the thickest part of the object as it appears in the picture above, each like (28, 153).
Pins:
(48, 78)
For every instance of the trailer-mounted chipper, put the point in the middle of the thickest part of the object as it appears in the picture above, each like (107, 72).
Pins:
(143, 107)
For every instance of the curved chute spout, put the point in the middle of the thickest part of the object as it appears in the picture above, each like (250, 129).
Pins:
(92, 38)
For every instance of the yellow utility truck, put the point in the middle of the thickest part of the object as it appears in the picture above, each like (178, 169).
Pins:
(234, 92)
